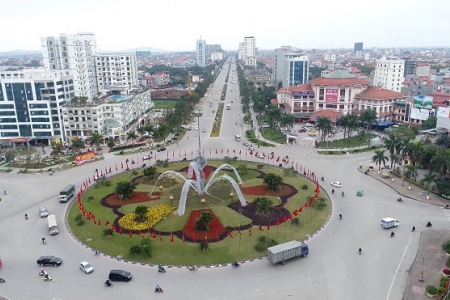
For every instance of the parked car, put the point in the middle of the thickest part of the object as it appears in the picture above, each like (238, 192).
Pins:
(161, 149)
(260, 156)
(43, 211)
(120, 275)
(336, 184)
(86, 267)
(49, 261)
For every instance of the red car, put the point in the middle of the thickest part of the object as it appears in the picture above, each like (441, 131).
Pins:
(303, 130)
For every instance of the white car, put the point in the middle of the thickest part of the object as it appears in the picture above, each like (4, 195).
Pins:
(86, 267)
(148, 157)
(336, 184)
(260, 156)
(251, 148)
(246, 144)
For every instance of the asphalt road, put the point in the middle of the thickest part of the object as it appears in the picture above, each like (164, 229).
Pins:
(333, 269)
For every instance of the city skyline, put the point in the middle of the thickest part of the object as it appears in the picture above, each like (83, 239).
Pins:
(339, 25)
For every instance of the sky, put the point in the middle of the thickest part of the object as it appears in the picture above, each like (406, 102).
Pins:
(176, 25)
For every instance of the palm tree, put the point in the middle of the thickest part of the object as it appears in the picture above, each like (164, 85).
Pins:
(441, 162)
(77, 144)
(392, 144)
(96, 139)
(325, 127)
(163, 128)
(394, 159)
(202, 222)
(263, 205)
(379, 158)
(288, 120)
(429, 179)
(131, 136)
(274, 115)
(56, 150)
(352, 124)
(344, 121)
(411, 171)
(368, 117)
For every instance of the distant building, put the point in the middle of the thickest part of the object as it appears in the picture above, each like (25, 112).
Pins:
(278, 63)
(240, 51)
(115, 71)
(358, 47)
(216, 56)
(161, 78)
(249, 55)
(30, 104)
(201, 53)
(296, 69)
(389, 73)
(210, 49)
(74, 53)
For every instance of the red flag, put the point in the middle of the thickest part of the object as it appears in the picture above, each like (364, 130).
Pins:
(216, 150)
(112, 228)
(106, 170)
(152, 235)
(116, 167)
(179, 153)
(89, 180)
(167, 154)
(192, 152)
(287, 161)
(228, 151)
(284, 219)
(268, 226)
(234, 151)
(130, 234)
(217, 236)
(206, 238)
(250, 231)
(300, 210)
(239, 232)
(273, 156)
(290, 217)
(251, 152)
(98, 223)
(185, 152)
(209, 151)
(160, 237)
(306, 205)
(264, 155)
(295, 212)
(183, 239)
(140, 233)
(106, 223)
(171, 237)
(278, 159)
(277, 223)
(121, 164)
(229, 234)
(260, 228)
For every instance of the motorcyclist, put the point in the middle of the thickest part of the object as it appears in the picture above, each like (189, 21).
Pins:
(161, 268)
(26, 217)
(43, 272)
(43, 240)
(360, 251)
(46, 277)
(429, 224)
(342, 193)
(322, 178)
(332, 191)
(108, 282)
(158, 288)
(236, 264)
(392, 234)
(340, 216)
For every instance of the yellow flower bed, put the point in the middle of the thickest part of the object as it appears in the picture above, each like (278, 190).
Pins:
(154, 215)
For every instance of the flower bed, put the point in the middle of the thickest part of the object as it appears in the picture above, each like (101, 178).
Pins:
(284, 193)
(137, 197)
(216, 229)
(154, 216)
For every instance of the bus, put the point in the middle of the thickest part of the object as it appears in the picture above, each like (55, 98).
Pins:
(52, 225)
(228, 106)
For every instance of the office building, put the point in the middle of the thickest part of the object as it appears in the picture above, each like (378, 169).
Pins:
(278, 63)
(115, 71)
(210, 49)
(201, 52)
(74, 53)
(296, 69)
(358, 47)
(389, 73)
(240, 51)
(249, 55)
(30, 104)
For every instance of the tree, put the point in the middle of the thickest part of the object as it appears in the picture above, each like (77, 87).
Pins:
(150, 173)
(77, 144)
(325, 127)
(125, 189)
(263, 205)
(131, 136)
(429, 179)
(56, 150)
(273, 181)
(202, 222)
(441, 162)
(140, 212)
(379, 158)
(411, 171)
(243, 169)
(96, 139)
(394, 160)
(430, 123)
(392, 144)
(368, 117)
(287, 121)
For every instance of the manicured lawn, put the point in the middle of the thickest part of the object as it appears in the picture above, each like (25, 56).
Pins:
(354, 141)
(163, 104)
(273, 135)
(179, 253)
(250, 135)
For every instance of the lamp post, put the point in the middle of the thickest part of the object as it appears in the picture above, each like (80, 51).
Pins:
(164, 217)
(203, 203)
(161, 189)
(171, 200)
(231, 198)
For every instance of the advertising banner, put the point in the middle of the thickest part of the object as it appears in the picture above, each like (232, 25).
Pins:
(423, 102)
(84, 158)
(420, 114)
(443, 112)
(331, 95)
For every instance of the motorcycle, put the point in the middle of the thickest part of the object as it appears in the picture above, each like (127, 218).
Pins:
(323, 179)
(192, 268)
(26, 217)
(108, 283)
(400, 199)
(236, 264)
(47, 278)
(161, 270)
(2, 280)
(43, 273)
(429, 224)
(342, 194)
(159, 290)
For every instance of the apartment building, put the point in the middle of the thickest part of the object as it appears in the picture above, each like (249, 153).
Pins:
(389, 73)
(74, 53)
(30, 104)
(115, 70)
(201, 52)
(161, 78)
(112, 117)
(249, 51)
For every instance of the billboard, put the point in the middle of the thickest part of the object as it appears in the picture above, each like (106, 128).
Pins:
(443, 112)
(419, 114)
(331, 95)
(423, 102)
(84, 158)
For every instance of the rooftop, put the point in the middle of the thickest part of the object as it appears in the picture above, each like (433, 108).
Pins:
(328, 113)
(339, 77)
(377, 93)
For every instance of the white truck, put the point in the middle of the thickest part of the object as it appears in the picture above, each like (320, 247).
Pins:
(52, 225)
(387, 223)
(286, 251)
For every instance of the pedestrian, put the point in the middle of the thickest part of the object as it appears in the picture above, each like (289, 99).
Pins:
(413, 229)
(43, 240)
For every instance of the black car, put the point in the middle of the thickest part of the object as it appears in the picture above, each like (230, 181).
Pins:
(162, 149)
(49, 261)
(120, 275)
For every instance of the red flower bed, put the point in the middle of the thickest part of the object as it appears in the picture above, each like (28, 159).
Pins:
(136, 197)
(215, 228)
(207, 170)
(263, 190)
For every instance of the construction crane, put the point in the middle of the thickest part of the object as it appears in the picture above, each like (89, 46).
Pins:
(189, 80)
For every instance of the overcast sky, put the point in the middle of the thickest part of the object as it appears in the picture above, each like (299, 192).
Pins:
(175, 25)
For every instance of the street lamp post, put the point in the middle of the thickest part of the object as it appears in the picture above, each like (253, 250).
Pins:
(161, 189)
(164, 217)
(203, 203)
(231, 198)
(171, 200)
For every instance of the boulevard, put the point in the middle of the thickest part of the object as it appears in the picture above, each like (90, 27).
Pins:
(333, 269)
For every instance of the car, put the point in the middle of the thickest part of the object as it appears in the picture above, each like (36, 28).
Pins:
(147, 157)
(86, 267)
(260, 156)
(245, 144)
(43, 211)
(200, 109)
(204, 130)
(161, 149)
(49, 261)
(303, 130)
(196, 128)
(336, 184)
(251, 148)
(120, 275)
(213, 111)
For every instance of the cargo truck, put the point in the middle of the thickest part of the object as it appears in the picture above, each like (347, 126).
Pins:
(67, 193)
(387, 223)
(286, 251)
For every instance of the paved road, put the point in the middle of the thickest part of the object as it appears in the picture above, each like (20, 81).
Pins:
(333, 270)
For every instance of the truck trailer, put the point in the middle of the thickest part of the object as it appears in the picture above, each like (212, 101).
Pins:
(286, 251)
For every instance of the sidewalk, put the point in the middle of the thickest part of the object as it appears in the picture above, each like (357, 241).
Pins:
(257, 128)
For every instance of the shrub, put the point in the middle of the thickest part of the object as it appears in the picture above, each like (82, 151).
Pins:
(271, 243)
(108, 183)
(90, 198)
(295, 221)
(262, 239)
(80, 222)
(134, 172)
(204, 246)
(135, 249)
(442, 290)
(260, 247)
(431, 289)
(121, 152)
(320, 203)
(304, 187)
(446, 246)
(443, 281)
(78, 217)
(108, 232)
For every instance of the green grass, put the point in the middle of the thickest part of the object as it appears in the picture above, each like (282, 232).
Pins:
(179, 253)
(354, 141)
(273, 135)
(164, 104)
(250, 135)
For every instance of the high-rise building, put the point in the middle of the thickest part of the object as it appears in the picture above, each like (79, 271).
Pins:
(358, 47)
(389, 73)
(241, 51)
(278, 63)
(296, 69)
(74, 53)
(210, 49)
(249, 55)
(30, 104)
(115, 71)
(201, 52)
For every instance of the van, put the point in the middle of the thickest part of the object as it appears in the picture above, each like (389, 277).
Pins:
(52, 225)
(387, 223)
(67, 193)
(43, 211)
(237, 137)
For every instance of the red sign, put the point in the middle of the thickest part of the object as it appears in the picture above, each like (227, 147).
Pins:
(331, 95)
(84, 158)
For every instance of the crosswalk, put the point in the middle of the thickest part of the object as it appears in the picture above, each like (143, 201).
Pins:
(298, 148)
(447, 213)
